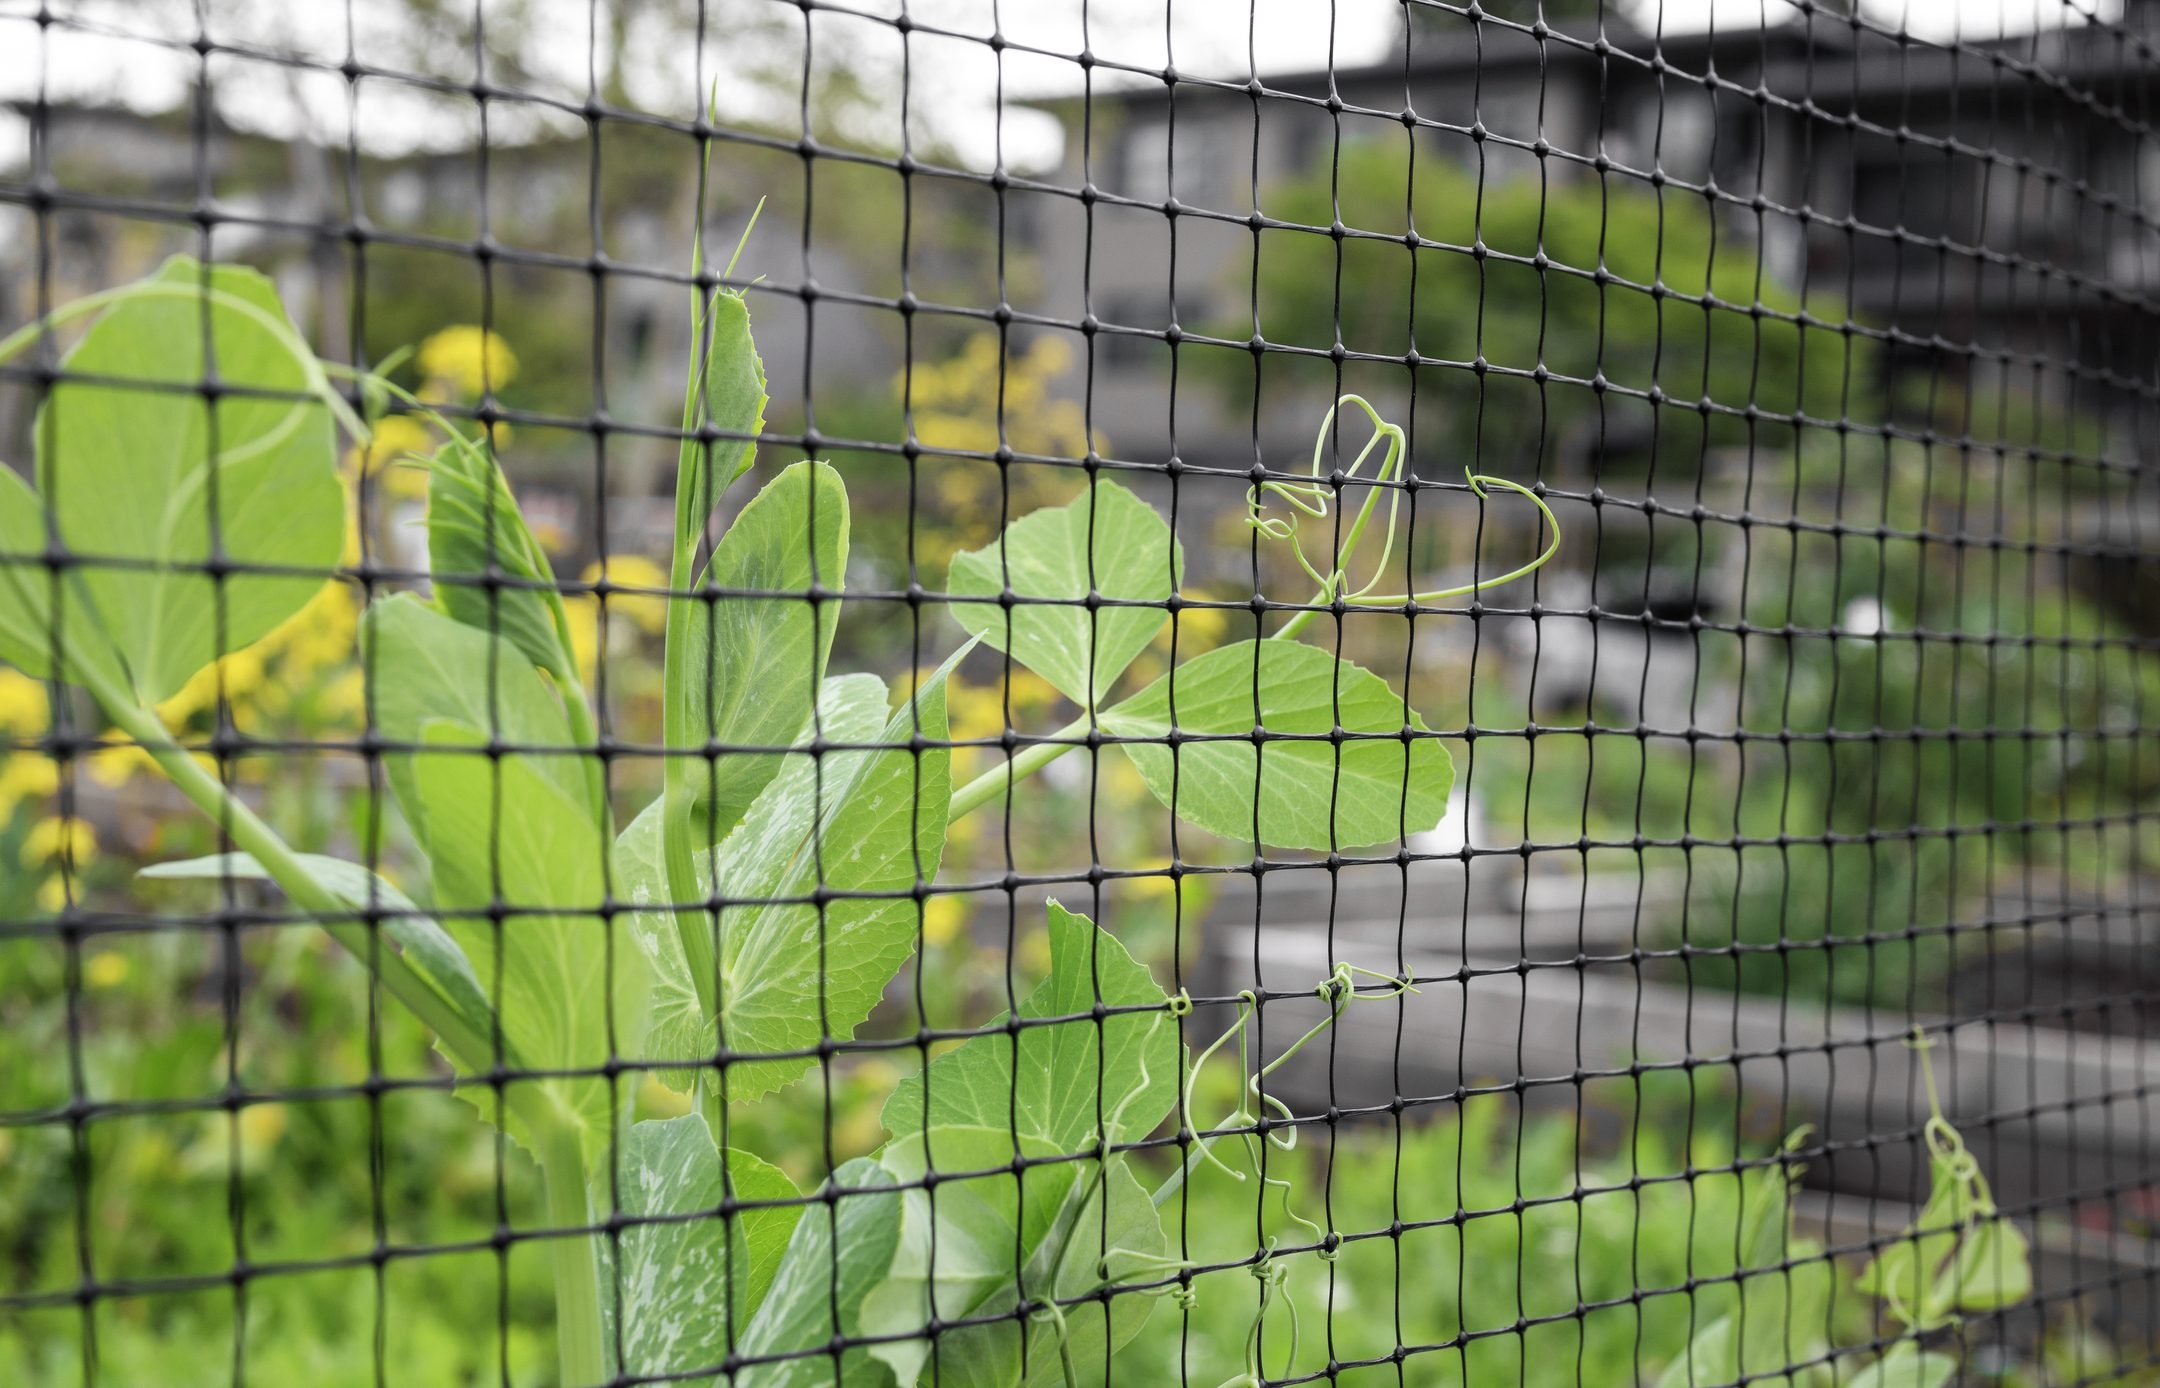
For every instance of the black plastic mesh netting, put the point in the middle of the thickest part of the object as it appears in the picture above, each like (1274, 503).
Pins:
(1076, 692)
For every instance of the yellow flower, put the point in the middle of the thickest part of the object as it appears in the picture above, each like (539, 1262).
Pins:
(662, 1102)
(116, 763)
(320, 634)
(261, 1125)
(345, 698)
(54, 840)
(238, 675)
(405, 484)
(395, 437)
(1122, 783)
(646, 609)
(942, 919)
(1152, 888)
(975, 711)
(26, 776)
(550, 533)
(52, 893)
(1198, 629)
(1034, 953)
(468, 359)
(583, 612)
(22, 704)
(1031, 693)
(105, 969)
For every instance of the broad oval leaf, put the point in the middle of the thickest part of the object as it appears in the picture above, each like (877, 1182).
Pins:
(866, 823)
(1278, 703)
(426, 666)
(1711, 1359)
(842, 1247)
(425, 945)
(32, 632)
(1066, 1076)
(851, 709)
(755, 660)
(1993, 1267)
(691, 1273)
(476, 532)
(1105, 542)
(989, 1241)
(1905, 1365)
(729, 398)
(138, 467)
(504, 838)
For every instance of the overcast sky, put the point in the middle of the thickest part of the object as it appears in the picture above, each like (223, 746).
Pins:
(953, 82)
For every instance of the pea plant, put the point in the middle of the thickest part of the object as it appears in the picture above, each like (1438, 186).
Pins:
(1958, 1256)
(187, 501)
(772, 890)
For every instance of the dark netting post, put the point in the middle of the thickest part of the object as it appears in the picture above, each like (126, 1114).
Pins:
(782, 692)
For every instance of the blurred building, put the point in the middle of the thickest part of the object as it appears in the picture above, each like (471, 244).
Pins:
(1985, 206)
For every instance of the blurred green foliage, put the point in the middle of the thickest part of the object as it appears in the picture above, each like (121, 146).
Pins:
(1580, 277)
(160, 1195)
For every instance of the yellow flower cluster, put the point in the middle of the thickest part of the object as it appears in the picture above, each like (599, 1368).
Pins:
(629, 613)
(394, 439)
(57, 841)
(291, 660)
(22, 704)
(957, 401)
(26, 775)
(646, 610)
(957, 405)
(55, 847)
(465, 359)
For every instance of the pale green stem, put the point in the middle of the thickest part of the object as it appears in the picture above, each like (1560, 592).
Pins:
(466, 1042)
(1024, 763)
(576, 1263)
(695, 495)
(678, 792)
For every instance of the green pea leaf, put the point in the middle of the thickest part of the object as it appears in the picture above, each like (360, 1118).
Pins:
(502, 835)
(138, 467)
(1993, 1268)
(755, 660)
(1913, 1277)
(1711, 1359)
(850, 710)
(842, 1247)
(984, 1245)
(731, 399)
(1106, 542)
(425, 945)
(30, 630)
(1073, 1076)
(686, 1281)
(1905, 1365)
(1785, 1286)
(1377, 788)
(870, 819)
(427, 666)
(475, 531)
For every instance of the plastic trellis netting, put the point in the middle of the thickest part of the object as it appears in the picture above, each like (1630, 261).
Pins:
(1084, 692)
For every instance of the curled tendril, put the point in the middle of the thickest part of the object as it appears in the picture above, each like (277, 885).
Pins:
(1946, 1145)
(1338, 990)
(1312, 498)
(1055, 1314)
